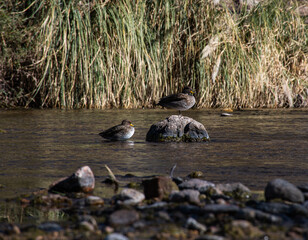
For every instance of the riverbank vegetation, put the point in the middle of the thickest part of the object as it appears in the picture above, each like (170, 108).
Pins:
(129, 53)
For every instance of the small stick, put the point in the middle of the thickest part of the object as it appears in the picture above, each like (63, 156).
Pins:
(116, 183)
(111, 174)
(172, 170)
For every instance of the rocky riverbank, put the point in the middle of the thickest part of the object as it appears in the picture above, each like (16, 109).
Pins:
(165, 207)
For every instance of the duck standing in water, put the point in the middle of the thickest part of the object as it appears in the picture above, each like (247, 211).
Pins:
(180, 101)
(123, 131)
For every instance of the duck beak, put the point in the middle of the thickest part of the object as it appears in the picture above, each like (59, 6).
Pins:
(131, 124)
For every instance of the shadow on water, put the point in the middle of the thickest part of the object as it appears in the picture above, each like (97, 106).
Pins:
(252, 147)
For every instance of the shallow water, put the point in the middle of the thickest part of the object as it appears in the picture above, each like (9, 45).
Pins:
(252, 147)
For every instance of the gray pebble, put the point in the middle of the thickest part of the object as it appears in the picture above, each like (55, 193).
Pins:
(191, 223)
(116, 236)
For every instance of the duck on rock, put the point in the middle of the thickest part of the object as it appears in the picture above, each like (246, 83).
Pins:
(180, 101)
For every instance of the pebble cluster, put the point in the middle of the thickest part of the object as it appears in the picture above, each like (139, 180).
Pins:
(163, 207)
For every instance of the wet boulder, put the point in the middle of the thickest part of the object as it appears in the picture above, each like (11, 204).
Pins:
(80, 181)
(282, 189)
(177, 128)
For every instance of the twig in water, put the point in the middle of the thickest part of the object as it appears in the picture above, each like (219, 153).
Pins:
(172, 170)
(113, 178)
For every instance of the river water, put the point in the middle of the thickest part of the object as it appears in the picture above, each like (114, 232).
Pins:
(251, 147)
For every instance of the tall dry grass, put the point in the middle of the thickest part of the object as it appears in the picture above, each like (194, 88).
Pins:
(129, 53)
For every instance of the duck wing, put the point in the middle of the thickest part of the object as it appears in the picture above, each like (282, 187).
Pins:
(172, 98)
(112, 131)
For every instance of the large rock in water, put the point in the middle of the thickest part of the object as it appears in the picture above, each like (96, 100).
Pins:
(177, 128)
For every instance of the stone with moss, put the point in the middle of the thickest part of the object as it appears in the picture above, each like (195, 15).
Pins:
(177, 128)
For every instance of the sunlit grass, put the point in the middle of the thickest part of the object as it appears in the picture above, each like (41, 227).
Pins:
(129, 53)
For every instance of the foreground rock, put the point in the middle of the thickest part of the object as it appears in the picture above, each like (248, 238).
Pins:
(129, 196)
(200, 210)
(197, 184)
(188, 195)
(123, 217)
(159, 187)
(81, 181)
(282, 189)
(177, 128)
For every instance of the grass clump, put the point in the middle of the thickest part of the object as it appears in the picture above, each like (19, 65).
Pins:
(129, 53)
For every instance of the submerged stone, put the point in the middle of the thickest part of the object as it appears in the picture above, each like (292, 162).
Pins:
(81, 181)
(177, 128)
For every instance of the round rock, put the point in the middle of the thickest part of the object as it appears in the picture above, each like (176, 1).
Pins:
(282, 189)
(94, 200)
(130, 196)
(189, 195)
(123, 217)
(177, 128)
(116, 236)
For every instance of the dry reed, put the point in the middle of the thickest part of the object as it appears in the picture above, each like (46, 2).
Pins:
(129, 53)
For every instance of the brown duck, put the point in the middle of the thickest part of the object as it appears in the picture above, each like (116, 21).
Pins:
(180, 101)
(123, 131)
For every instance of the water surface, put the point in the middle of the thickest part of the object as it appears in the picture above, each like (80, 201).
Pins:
(252, 147)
